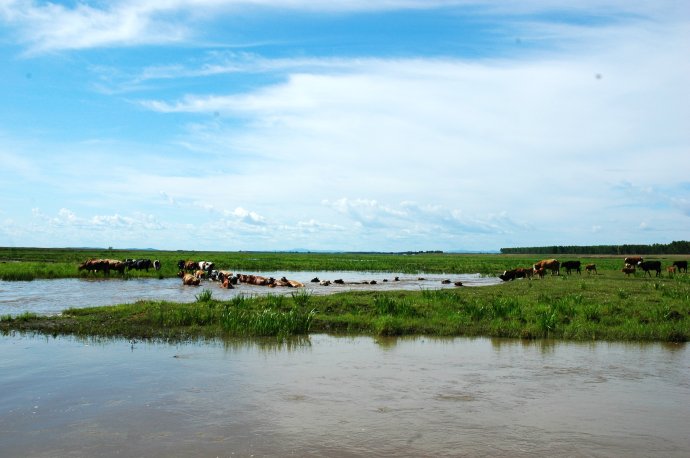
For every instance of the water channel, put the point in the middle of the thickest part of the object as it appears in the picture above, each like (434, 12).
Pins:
(326, 395)
(342, 397)
(50, 297)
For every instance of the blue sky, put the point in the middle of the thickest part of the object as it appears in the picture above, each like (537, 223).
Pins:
(343, 125)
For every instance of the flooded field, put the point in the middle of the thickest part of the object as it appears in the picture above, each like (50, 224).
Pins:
(343, 397)
(50, 297)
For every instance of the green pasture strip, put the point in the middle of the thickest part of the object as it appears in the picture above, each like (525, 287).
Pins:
(38, 263)
(604, 307)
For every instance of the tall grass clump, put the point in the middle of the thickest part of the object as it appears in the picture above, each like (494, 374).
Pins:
(205, 296)
(266, 322)
(275, 301)
(387, 305)
(18, 276)
(301, 297)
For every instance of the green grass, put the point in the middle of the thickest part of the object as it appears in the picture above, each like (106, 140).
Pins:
(608, 306)
(32, 263)
(650, 310)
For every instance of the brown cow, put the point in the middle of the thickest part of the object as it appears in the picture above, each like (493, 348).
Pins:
(103, 265)
(671, 270)
(591, 268)
(682, 266)
(255, 280)
(552, 264)
(187, 265)
(190, 280)
(628, 269)
(633, 260)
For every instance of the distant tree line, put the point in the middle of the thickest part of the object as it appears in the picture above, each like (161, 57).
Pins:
(679, 247)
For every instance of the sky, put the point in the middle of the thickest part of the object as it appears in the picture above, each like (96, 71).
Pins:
(345, 125)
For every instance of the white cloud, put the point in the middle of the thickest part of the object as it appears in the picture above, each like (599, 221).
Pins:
(245, 216)
(388, 152)
(47, 27)
(66, 218)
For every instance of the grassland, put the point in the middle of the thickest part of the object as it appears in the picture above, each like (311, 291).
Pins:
(36, 263)
(608, 306)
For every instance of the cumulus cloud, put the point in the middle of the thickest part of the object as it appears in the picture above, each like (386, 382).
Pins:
(68, 218)
(541, 147)
(245, 216)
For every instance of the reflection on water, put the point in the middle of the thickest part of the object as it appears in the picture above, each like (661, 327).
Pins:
(50, 297)
(353, 396)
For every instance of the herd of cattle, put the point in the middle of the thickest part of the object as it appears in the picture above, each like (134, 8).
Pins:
(631, 264)
(106, 265)
(192, 272)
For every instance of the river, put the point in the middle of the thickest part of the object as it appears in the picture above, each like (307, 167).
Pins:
(342, 397)
(50, 297)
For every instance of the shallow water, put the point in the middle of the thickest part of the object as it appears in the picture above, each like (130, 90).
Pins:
(50, 297)
(328, 396)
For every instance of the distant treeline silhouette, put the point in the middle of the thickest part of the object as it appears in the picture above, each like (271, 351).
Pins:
(679, 247)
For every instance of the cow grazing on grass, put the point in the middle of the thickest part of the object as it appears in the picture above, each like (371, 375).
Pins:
(650, 265)
(671, 270)
(571, 265)
(539, 272)
(633, 260)
(103, 265)
(591, 268)
(552, 264)
(682, 266)
(628, 269)
(139, 264)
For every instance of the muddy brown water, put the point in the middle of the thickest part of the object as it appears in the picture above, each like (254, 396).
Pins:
(342, 397)
(50, 297)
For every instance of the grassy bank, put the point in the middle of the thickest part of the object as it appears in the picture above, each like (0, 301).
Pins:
(602, 307)
(36, 263)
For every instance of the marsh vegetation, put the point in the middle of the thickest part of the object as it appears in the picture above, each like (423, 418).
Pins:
(605, 306)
